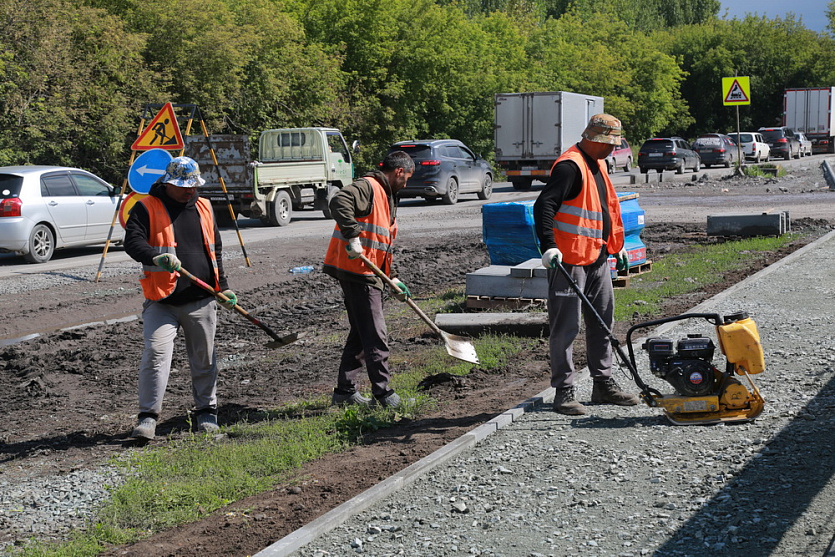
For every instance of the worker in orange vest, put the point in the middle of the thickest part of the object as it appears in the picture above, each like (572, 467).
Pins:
(366, 223)
(170, 228)
(578, 222)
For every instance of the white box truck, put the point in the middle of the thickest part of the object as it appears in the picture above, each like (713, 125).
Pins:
(810, 111)
(532, 129)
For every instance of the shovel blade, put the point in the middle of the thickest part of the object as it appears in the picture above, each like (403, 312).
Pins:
(460, 347)
(284, 341)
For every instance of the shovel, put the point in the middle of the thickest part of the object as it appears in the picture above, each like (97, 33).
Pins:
(277, 341)
(456, 346)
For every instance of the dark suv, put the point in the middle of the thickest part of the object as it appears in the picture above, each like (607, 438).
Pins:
(783, 142)
(668, 153)
(445, 168)
(716, 148)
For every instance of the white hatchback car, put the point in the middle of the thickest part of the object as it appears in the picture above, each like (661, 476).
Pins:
(44, 208)
(753, 146)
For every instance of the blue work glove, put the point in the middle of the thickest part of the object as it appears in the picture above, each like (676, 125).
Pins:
(232, 299)
(404, 293)
(622, 263)
(167, 261)
(551, 257)
(354, 248)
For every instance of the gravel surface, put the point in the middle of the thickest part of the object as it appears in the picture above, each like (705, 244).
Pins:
(625, 482)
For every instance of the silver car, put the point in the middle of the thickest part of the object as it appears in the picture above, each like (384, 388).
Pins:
(44, 208)
(805, 144)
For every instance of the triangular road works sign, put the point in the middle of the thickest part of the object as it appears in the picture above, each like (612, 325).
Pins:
(162, 133)
(736, 90)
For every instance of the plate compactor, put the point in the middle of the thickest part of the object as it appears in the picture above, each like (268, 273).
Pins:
(704, 394)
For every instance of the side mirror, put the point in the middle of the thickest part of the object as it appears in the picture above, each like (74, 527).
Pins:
(116, 190)
(355, 146)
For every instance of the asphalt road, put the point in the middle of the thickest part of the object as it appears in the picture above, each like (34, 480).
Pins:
(420, 217)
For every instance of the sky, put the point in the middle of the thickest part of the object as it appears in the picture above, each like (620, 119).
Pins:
(812, 12)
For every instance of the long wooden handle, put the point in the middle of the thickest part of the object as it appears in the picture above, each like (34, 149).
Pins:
(222, 298)
(393, 285)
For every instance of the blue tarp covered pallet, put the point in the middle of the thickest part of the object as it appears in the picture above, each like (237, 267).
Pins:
(510, 236)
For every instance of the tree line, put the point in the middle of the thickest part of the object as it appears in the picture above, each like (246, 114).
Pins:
(76, 74)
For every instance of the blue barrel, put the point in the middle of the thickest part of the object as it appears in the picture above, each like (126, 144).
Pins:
(510, 235)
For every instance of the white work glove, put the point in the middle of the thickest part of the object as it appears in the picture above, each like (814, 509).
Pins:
(551, 257)
(622, 260)
(167, 261)
(354, 248)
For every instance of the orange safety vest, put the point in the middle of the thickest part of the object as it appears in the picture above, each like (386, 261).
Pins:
(159, 283)
(578, 224)
(376, 237)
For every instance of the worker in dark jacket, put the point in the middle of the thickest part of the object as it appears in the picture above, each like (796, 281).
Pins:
(366, 223)
(170, 228)
(578, 222)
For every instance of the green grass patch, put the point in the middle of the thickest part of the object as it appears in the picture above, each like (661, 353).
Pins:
(196, 475)
(681, 273)
(766, 170)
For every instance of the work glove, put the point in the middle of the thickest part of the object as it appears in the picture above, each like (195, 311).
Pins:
(551, 257)
(231, 302)
(622, 260)
(354, 248)
(167, 261)
(404, 293)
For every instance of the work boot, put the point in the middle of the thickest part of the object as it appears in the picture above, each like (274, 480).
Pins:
(343, 399)
(207, 423)
(565, 403)
(390, 401)
(607, 391)
(145, 429)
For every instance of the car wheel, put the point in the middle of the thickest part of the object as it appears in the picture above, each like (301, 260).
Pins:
(451, 195)
(281, 209)
(680, 167)
(727, 164)
(486, 188)
(698, 166)
(628, 166)
(41, 244)
(788, 156)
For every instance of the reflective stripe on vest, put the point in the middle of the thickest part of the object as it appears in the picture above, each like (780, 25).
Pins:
(159, 283)
(578, 224)
(377, 234)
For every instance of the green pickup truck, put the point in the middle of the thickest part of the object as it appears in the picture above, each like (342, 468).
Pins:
(296, 168)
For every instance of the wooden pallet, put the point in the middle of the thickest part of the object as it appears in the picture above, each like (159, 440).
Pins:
(495, 302)
(638, 269)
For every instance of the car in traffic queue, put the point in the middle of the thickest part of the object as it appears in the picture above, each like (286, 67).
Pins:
(753, 145)
(621, 157)
(668, 153)
(44, 208)
(716, 148)
(445, 169)
(805, 144)
(782, 141)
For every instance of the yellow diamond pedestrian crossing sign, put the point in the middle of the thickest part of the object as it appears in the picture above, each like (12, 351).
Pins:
(736, 90)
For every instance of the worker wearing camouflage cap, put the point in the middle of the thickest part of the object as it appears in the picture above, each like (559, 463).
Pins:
(578, 222)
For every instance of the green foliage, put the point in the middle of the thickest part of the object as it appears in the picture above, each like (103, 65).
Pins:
(75, 74)
(756, 47)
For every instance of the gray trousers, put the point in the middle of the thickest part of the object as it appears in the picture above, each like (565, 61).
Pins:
(564, 308)
(198, 320)
(367, 340)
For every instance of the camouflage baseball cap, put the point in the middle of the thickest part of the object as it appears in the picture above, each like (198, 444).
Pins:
(603, 128)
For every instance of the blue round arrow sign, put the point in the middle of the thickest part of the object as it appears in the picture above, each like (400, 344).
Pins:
(147, 169)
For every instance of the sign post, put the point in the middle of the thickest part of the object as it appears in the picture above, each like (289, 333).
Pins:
(736, 91)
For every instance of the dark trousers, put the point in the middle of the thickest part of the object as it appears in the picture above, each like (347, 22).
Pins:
(564, 308)
(367, 341)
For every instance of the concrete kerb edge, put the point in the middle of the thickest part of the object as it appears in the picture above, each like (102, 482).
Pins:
(330, 520)
(333, 518)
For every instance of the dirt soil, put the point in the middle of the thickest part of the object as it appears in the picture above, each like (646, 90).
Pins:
(69, 398)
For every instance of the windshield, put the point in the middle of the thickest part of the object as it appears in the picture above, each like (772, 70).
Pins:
(10, 185)
(772, 135)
